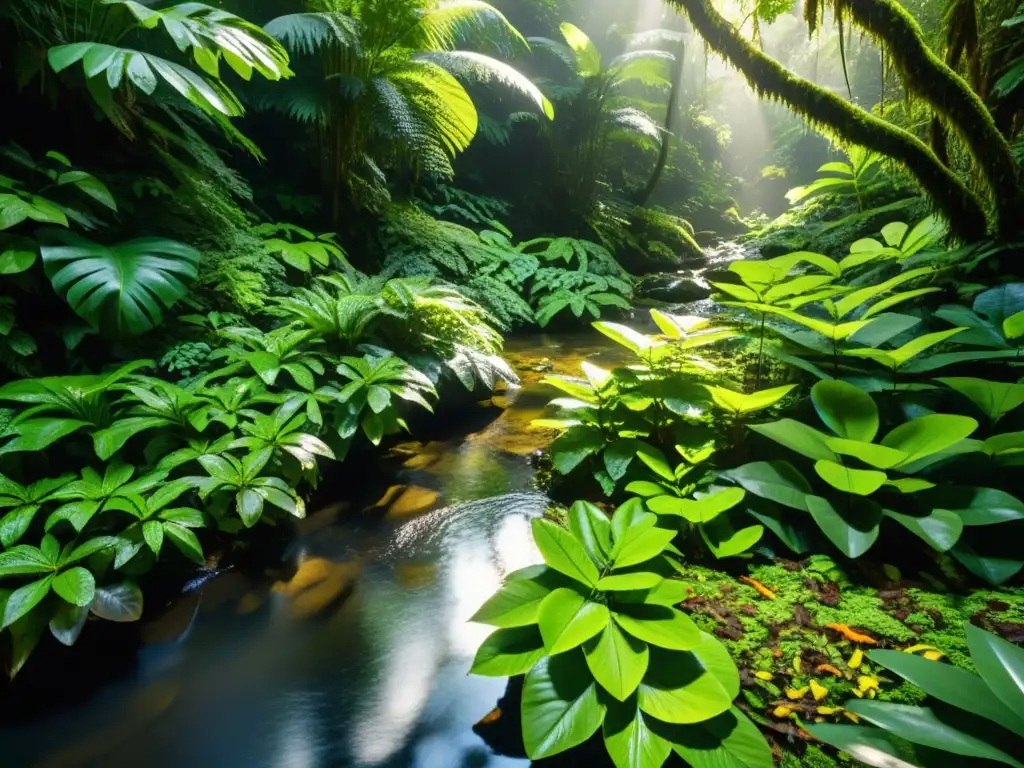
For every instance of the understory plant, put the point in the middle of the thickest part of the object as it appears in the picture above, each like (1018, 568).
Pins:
(968, 715)
(603, 647)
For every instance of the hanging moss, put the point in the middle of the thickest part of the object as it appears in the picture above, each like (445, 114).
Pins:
(825, 109)
(951, 97)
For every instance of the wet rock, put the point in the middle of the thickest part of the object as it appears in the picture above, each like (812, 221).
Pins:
(544, 366)
(672, 288)
(317, 584)
(406, 500)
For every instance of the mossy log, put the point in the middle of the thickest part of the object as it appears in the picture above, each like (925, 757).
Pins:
(956, 202)
(949, 95)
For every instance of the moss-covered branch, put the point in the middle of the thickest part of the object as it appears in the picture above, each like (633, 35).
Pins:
(822, 107)
(949, 95)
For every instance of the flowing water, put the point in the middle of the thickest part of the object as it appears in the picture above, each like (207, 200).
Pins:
(356, 653)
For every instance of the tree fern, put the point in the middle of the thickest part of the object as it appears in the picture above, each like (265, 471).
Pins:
(308, 33)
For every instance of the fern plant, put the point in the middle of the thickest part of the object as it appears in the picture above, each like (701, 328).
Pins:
(381, 82)
(855, 178)
(301, 249)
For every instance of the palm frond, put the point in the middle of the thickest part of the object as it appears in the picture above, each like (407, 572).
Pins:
(655, 37)
(650, 67)
(441, 101)
(484, 69)
(588, 57)
(631, 119)
(309, 32)
(559, 50)
(451, 22)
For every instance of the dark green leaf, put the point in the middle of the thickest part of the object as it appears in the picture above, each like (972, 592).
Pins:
(508, 652)
(852, 534)
(658, 625)
(561, 708)
(76, 586)
(629, 739)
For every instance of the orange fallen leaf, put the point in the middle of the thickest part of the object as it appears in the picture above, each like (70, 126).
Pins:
(828, 668)
(493, 716)
(761, 588)
(852, 635)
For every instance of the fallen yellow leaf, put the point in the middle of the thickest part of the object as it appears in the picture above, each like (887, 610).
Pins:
(818, 691)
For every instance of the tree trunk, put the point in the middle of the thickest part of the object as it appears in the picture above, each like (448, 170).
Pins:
(666, 140)
(822, 107)
(949, 95)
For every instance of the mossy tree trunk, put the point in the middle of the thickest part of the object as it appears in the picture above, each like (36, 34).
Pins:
(950, 96)
(822, 107)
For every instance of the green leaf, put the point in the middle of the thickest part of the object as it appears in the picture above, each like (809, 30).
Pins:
(678, 689)
(153, 533)
(23, 560)
(561, 708)
(570, 448)
(567, 620)
(992, 568)
(122, 289)
(15, 524)
(39, 434)
(862, 482)
(853, 541)
(249, 504)
(118, 602)
(735, 543)
(588, 57)
(658, 625)
(919, 725)
(563, 552)
(896, 358)
(871, 746)
(941, 529)
(640, 545)
(18, 256)
(629, 739)
(645, 488)
(928, 435)
(508, 652)
(629, 581)
(846, 410)
(25, 634)
(186, 542)
(798, 437)
(514, 605)
(955, 686)
(878, 456)
(76, 586)
(1001, 665)
(978, 506)
(109, 441)
(632, 340)
(994, 398)
(777, 481)
(702, 510)
(741, 404)
(728, 740)
(68, 622)
(616, 660)
(24, 599)
(592, 528)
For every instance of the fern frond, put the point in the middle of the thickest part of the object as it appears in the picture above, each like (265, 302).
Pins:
(309, 32)
(559, 50)
(451, 22)
(485, 69)
(632, 119)
(648, 67)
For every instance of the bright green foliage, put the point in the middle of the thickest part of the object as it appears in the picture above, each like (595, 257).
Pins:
(866, 479)
(856, 178)
(602, 646)
(963, 707)
(389, 72)
(680, 492)
(901, 242)
(301, 249)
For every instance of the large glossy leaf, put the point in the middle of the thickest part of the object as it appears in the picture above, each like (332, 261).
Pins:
(956, 686)
(777, 481)
(928, 435)
(940, 528)
(508, 652)
(560, 707)
(995, 569)
(24, 599)
(118, 602)
(1001, 665)
(878, 456)
(39, 434)
(994, 398)
(677, 689)
(798, 437)
(853, 534)
(588, 57)
(563, 552)
(871, 746)
(742, 404)
(862, 482)
(567, 620)
(978, 506)
(570, 448)
(592, 528)
(642, 546)
(514, 605)
(920, 725)
(24, 560)
(617, 661)
(846, 410)
(75, 585)
(123, 289)
(629, 739)
(729, 740)
(68, 622)
(658, 625)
